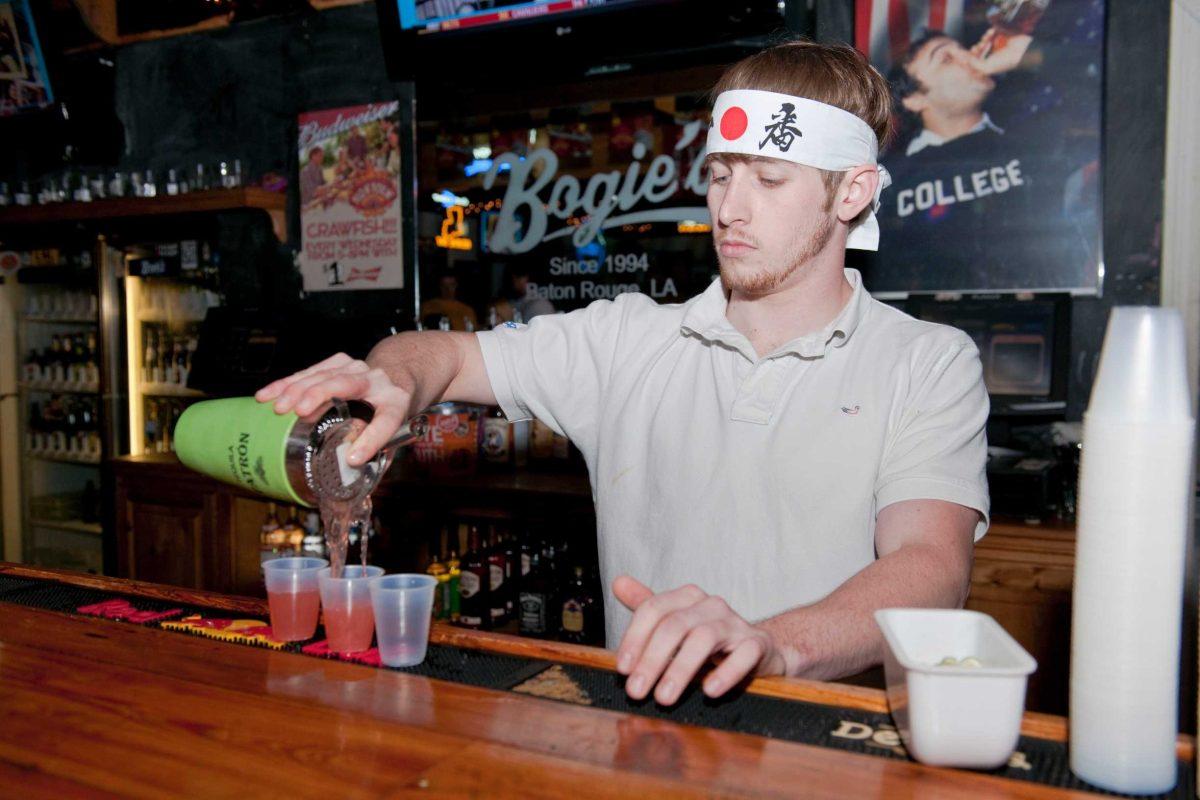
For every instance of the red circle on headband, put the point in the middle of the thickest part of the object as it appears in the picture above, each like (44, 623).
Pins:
(733, 123)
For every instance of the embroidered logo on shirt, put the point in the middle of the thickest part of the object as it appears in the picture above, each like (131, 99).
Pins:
(511, 325)
(851, 411)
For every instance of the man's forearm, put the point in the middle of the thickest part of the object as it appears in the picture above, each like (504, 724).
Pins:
(433, 366)
(838, 636)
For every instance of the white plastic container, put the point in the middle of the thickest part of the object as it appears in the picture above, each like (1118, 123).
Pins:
(954, 716)
(1135, 507)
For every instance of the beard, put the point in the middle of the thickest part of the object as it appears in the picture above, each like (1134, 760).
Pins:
(735, 278)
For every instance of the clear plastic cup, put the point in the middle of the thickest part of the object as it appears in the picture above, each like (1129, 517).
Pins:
(403, 604)
(293, 594)
(349, 621)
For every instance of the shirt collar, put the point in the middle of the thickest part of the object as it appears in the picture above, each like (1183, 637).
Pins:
(705, 318)
(927, 138)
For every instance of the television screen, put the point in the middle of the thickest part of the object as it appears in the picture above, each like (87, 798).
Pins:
(431, 16)
(1022, 343)
(24, 84)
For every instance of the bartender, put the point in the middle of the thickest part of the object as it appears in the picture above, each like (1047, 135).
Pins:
(774, 459)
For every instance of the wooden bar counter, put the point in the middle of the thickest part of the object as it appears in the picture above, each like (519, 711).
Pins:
(98, 708)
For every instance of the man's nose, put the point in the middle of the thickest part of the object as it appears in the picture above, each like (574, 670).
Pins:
(734, 205)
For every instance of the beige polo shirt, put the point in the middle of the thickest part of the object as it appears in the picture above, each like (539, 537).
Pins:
(758, 479)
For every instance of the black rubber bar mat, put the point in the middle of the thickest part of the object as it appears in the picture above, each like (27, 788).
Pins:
(1036, 760)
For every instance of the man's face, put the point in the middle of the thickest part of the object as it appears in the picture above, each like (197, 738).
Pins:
(770, 218)
(950, 80)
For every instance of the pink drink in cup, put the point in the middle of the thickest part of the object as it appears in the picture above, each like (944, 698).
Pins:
(349, 620)
(294, 615)
(292, 591)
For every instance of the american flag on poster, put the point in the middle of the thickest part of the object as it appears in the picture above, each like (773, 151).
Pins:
(884, 28)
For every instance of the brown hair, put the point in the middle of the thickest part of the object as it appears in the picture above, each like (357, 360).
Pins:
(835, 74)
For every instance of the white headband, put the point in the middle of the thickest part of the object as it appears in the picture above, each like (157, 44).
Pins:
(803, 131)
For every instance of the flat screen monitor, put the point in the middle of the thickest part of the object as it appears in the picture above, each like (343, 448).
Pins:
(458, 47)
(434, 16)
(1024, 345)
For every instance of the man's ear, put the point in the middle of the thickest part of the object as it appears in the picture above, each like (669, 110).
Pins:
(857, 192)
(915, 102)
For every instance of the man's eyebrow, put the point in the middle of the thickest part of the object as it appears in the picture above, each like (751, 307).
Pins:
(933, 50)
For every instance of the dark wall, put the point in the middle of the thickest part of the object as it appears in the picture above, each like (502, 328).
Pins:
(236, 93)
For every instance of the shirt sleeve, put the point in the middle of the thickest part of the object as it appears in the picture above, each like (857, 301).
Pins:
(556, 368)
(939, 448)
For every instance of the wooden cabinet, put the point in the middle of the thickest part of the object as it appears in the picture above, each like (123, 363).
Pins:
(1022, 577)
(182, 529)
(174, 525)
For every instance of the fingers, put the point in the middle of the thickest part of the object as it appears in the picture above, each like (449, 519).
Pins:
(631, 592)
(737, 665)
(702, 642)
(646, 618)
(383, 427)
(307, 394)
(671, 635)
(276, 388)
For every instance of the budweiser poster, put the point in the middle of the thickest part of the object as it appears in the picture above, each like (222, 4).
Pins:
(996, 166)
(350, 198)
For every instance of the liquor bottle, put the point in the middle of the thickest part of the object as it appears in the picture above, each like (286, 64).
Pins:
(150, 357)
(314, 538)
(31, 367)
(269, 538)
(512, 566)
(535, 599)
(453, 578)
(497, 439)
(58, 373)
(438, 570)
(70, 370)
(291, 532)
(150, 426)
(496, 572)
(91, 363)
(578, 623)
(474, 586)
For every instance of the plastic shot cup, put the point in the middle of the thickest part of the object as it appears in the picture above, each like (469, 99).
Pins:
(293, 596)
(403, 604)
(349, 620)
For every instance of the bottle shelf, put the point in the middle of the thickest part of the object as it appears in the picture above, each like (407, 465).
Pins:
(60, 388)
(169, 390)
(71, 525)
(65, 458)
(163, 316)
(59, 320)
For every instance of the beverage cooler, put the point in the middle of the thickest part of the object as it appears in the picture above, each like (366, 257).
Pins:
(96, 344)
(168, 288)
(59, 420)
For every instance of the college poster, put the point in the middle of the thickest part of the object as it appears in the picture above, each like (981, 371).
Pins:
(349, 179)
(996, 161)
(23, 82)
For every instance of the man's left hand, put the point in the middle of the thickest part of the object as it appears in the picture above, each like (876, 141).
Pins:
(673, 635)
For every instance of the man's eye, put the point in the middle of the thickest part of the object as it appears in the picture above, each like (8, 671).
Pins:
(768, 182)
(719, 179)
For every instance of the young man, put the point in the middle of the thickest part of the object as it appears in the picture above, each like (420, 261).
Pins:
(772, 460)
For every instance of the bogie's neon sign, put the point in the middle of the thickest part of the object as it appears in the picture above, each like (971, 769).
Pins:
(604, 194)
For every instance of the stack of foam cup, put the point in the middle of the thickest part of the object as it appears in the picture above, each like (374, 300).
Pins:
(1135, 503)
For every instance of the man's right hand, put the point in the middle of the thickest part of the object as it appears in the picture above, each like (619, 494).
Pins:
(310, 391)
